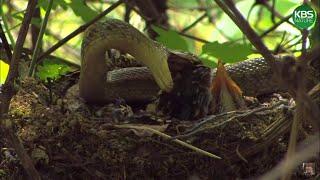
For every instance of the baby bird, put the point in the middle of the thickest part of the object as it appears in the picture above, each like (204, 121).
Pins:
(226, 94)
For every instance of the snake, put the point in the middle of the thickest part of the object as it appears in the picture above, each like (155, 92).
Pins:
(100, 84)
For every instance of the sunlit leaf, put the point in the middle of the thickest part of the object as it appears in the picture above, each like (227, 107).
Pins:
(51, 70)
(18, 16)
(208, 60)
(171, 39)
(82, 10)
(228, 52)
(285, 6)
(62, 3)
(4, 69)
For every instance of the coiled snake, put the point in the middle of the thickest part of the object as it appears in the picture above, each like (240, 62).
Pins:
(100, 85)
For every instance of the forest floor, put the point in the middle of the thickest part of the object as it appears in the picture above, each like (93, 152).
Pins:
(68, 139)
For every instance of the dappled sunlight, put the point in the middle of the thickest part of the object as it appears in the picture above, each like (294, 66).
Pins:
(4, 69)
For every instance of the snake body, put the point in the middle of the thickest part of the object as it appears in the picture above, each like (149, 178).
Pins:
(100, 85)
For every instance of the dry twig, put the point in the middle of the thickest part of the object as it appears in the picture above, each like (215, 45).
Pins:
(165, 136)
(203, 126)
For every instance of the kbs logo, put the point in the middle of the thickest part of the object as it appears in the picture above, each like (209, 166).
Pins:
(304, 16)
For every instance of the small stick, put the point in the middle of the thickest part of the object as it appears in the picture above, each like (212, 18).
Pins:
(275, 26)
(204, 15)
(167, 137)
(5, 24)
(39, 40)
(238, 114)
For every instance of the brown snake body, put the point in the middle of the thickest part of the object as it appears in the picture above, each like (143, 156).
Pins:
(100, 85)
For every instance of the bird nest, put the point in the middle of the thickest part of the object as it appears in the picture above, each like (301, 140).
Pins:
(118, 141)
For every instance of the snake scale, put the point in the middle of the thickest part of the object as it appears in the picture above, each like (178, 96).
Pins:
(98, 84)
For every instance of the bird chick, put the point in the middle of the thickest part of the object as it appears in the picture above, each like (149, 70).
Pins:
(226, 94)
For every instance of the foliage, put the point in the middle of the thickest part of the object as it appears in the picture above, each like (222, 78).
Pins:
(83, 11)
(172, 39)
(217, 28)
(228, 52)
(51, 70)
(56, 3)
(78, 7)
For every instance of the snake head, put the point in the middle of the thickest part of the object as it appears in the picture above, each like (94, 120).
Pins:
(157, 62)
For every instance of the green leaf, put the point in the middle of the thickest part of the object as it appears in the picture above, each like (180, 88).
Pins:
(18, 16)
(285, 6)
(208, 60)
(51, 70)
(209, 9)
(228, 52)
(82, 10)
(184, 4)
(36, 21)
(171, 39)
(56, 3)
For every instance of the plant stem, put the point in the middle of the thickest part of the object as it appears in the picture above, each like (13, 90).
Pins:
(6, 45)
(204, 15)
(275, 26)
(5, 25)
(39, 40)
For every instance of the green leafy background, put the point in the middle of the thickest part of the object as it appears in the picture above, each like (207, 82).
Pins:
(227, 42)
